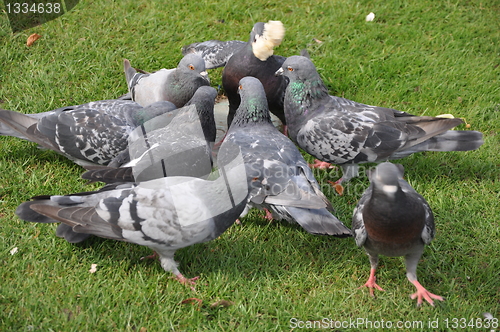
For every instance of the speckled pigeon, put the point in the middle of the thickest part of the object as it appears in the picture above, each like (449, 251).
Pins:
(348, 133)
(278, 176)
(215, 53)
(392, 219)
(256, 59)
(90, 134)
(181, 146)
(175, 85)
(164, 214)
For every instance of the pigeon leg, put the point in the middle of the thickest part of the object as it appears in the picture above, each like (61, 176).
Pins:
(424, 293)
(411, 262)
(371, 284)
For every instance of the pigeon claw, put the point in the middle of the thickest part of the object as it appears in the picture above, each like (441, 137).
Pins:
(269, 215)
(423, 293)
(371, 284)
(321, 164)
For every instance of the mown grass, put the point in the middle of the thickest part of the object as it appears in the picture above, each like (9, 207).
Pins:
(423, 57)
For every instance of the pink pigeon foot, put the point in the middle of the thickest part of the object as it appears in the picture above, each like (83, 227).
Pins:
(187, 282)
(321, 164)
(269, 215)
(371, 284)
(424, 293)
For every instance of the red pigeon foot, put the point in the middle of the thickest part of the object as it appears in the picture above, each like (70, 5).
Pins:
(424, 293)
(269, 215)
(321, 164)
(371, 284)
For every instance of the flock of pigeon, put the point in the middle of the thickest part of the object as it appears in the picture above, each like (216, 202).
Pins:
(167, 189)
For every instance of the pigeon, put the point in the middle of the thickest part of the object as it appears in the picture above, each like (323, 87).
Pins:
(181, 146)
(90, 134)
(392, 219)
(256, 59)
(278, 176)
(215, 53)
(347, 133)
(175, 85)
(164, 214)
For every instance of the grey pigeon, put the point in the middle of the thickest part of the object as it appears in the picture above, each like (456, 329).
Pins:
(392, 219)
(176, 85)
(215, 53)
(181, 146)
(90, 134)
(347, 133)
(164, 214)
(279, 178)
(256, 59)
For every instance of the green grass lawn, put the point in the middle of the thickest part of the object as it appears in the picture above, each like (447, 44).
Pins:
(424, 57)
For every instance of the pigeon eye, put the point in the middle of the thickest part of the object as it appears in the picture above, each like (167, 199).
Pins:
(191, 67)
(289, 68)
(240, 87)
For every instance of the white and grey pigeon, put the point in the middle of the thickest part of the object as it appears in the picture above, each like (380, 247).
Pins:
(392, 219)
(347, 133)
(176, 85)
(164, 214)
(215, 53)
(95, 133)
(279, 178)
(178, 143)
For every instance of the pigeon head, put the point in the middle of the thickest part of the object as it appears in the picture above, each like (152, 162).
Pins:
(253, 107)
(385, 178)
(193, 62)
(299, 68)
(264, 37)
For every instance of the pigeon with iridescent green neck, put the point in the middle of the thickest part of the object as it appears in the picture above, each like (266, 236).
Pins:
(347, 133)
(279, 178)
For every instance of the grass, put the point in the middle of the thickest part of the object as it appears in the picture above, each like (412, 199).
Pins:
(424, 57)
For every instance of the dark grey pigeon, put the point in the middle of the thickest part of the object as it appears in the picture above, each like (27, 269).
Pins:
(95, 133)
(179, 144)
(279, 178)
(164, 214)
(215, 53)
(347, 133)
(392, 219)
(256, 59)
(176, 85)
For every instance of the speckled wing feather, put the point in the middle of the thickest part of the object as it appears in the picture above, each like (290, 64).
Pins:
(215, 53)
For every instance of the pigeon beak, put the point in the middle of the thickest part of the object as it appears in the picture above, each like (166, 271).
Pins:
(279, 72)
(204, 74)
